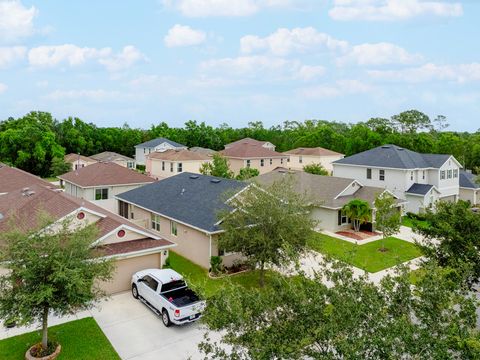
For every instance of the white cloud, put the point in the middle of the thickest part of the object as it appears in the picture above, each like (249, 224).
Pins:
(128, 57)
(9, 55)
(307, 72)
(72, 55)
(3, 88)
(16, 21)
(390, 10)
(339, 88)
(180, 35)
(460, 73)
(97, 95)
(379, 54)
(204, 8)
(285, 41)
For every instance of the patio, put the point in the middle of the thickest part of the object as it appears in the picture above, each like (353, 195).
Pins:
(358, 235)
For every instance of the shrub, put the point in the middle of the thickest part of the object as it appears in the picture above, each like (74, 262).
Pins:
(216, 264)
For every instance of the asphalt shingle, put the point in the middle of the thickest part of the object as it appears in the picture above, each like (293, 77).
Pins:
(155, 142)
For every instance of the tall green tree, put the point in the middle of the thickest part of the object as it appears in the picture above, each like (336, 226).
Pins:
(351, 318)
(316, 169)
(359, 211)
(217, 167)
(452, 237)
(387, 216)
(59, 167)
(411, 121)
(52, 269)
(269, 225)
(247, 173)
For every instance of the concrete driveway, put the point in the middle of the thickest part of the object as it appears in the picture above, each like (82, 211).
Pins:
(137, 333)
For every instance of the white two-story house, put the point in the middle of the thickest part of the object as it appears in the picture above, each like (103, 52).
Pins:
(420, 179)
(159, 144)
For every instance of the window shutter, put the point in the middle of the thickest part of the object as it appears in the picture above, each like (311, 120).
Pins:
(339, 217)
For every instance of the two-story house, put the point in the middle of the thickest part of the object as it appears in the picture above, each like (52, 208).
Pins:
(119, 159)
(158, 144)
(420, 179)
(300, 157)
(265, 144)
(168, 163)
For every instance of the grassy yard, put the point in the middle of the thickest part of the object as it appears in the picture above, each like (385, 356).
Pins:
(80, 339)
(406, 221)
(198, 276)
(367, 256)
(51, 179)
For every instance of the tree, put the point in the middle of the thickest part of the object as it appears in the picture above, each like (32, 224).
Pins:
(452, 239)
(358, 211)
(247, 173)
(59, 166)
(411, 121)
(387, 216)
(316, 169)
(269, 225)
(218, 167)
(441, 123)
(50, 271)
(351, 318)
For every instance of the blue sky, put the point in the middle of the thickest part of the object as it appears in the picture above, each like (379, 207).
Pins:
(235, 61)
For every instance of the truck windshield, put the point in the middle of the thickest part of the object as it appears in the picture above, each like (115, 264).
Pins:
(172, 285)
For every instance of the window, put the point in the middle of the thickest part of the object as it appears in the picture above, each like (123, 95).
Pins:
(179, 167)
(262, 162)
(411, 175)
(163, 165)
(173, 228)
(171, 167)
(300, 159)
(144, 150)
(369, 173)
(423, 174)
(288, 159)
(101, 194)
(381, 175)
(281, 161)
(449, 174)
(343, 218)
(455, 173)
(130, 164)
(123, 209)
(248, 163)
(155, 220)
(270, 161)
(150, 282)
(442, 175)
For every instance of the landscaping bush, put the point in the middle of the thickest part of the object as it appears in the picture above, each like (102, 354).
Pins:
(216, 264)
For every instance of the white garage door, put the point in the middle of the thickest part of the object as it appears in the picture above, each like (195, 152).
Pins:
(126, 268)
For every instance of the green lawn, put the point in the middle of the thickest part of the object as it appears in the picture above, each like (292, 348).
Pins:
(51, 179)
(367, 256)
(406, 221)
(198, 276)
(80, 339)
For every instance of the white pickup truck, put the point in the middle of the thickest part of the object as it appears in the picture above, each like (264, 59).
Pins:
(166, 293)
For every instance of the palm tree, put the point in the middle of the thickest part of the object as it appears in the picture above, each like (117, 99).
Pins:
(359, 211)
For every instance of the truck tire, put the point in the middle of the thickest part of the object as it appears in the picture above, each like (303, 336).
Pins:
(165, 318)
(134, 291)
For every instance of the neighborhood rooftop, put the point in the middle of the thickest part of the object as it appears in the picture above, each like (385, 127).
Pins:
(101, 173)
(108, 156)
(187, 198)
(248, 150)
(178, 155)
(393, 156)
(155, 142)
(316, 151)
(419, 189)
(13, 178)
(468, 180)
(246, 140)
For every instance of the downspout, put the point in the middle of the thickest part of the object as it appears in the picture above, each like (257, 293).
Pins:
(209, 247)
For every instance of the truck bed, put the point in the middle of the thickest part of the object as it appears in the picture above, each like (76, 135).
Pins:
(181, 297)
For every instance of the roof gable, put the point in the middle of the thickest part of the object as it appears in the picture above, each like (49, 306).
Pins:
(155, 142)
(316, 151)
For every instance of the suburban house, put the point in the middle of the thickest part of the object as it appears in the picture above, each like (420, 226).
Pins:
(119, 159)
(184, 210)
(469, 187)
(101, 181)
(133, 248)
(299, 157)
(265, 144)
(168, 163)
(420, 179)
(244, 154)
(159, 144)
(78, 161)
(328, 195)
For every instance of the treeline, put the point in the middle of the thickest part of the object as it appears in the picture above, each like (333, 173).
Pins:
(34, 140)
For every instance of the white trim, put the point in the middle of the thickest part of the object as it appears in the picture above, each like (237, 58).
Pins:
(125, 227)
(139, 252)
(106, 185)
(347, 187)
(384, 167)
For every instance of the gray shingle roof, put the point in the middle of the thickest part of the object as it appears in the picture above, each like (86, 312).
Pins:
(155, 142)
(193, 199)
(393, 156)
(468, 180)
(419, 189)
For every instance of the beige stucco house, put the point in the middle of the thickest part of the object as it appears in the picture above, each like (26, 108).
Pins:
(265, 144)
(244, 154)
(133, 248)
(119, 159)
(78, 161)
(300, 157)
(161, 165)
(100, 182)
(328, 195)
(183, 209)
